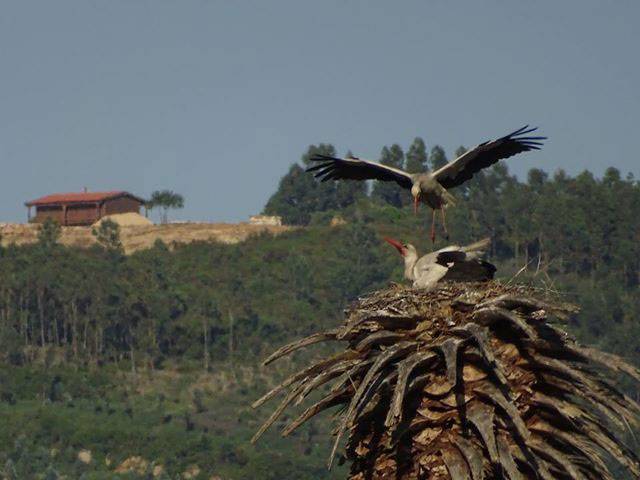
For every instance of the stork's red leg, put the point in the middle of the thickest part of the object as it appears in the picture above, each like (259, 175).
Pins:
(433, 226)
(444, 224)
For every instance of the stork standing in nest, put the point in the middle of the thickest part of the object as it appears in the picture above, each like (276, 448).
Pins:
(430, 188)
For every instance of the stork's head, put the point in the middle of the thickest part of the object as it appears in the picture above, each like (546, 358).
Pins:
(405, 249)
(416, 192)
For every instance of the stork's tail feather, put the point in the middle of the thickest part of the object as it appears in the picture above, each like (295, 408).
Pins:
(489, 269)
(480, 246)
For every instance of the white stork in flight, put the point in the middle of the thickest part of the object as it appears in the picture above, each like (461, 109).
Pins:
(430, 187)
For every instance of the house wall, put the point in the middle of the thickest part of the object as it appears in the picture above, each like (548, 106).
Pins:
(43, 213)
(82, 214)
(120, 205)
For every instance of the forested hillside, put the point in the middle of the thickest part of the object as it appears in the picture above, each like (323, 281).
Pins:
(155, 354)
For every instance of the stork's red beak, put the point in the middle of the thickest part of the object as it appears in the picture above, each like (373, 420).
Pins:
(416, 204)
(400, 247)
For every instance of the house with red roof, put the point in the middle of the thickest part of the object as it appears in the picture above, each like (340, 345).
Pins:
(82, 208)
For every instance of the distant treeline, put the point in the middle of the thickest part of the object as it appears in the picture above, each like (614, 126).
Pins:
(200, 302)
(205, 302)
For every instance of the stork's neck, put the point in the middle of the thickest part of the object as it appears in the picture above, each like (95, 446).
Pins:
(410, 260)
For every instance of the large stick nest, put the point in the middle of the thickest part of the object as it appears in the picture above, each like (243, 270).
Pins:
(467, 381)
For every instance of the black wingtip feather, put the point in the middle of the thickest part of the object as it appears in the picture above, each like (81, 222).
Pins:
(531, 139)
(318, 157)
(317, 167)
(518, 132)
(527, 131)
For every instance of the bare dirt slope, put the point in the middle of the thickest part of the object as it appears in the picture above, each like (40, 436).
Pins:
(138, 237)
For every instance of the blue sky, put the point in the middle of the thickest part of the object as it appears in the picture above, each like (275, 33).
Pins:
(216, 99)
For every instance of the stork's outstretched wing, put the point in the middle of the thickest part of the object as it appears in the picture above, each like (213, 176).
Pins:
(333, 168)
(486, 154)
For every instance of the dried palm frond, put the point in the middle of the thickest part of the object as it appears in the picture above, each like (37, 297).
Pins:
(466, 382)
